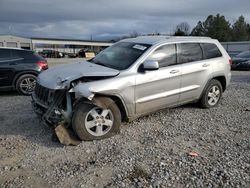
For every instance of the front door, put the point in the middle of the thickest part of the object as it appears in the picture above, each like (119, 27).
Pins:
(160, 88)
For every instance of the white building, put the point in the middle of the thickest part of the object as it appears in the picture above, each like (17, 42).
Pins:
(61, 45)
(14, 41)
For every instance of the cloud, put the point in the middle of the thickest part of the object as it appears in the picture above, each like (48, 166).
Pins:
(108, 18)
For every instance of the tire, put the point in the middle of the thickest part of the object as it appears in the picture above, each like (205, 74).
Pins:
(92, 122)
(211, 95)
(25, 84)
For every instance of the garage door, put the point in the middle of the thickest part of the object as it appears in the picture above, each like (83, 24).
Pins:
(25, 46)
(12, 44)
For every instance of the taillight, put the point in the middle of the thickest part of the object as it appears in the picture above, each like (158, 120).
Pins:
(230, 62)
(43, 65)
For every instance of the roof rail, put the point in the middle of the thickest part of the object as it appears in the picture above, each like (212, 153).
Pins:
(191, 37)
(168, 36)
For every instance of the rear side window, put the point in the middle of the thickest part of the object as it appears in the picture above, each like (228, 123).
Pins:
(210, 51)
(5, 54)
(165, 55)
(189, 52)
(22, 54)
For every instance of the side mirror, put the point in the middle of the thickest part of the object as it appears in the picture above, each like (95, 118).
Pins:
(150, 65)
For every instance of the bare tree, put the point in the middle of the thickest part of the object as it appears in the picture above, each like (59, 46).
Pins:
(182, 29)
(134, 34)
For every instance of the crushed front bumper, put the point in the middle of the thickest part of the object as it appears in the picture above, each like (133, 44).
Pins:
(52, 106)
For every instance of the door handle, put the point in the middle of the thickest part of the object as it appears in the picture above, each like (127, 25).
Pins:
(174, 71)
(206, 65)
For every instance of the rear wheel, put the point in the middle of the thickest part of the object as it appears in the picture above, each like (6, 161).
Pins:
(92, 122)
(26, 84)
(211, 95)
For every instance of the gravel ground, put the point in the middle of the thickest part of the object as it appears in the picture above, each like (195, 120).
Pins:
(152, 151)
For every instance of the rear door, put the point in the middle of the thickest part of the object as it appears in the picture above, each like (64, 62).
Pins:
(194, 69)
(159, 88)
(7, 71)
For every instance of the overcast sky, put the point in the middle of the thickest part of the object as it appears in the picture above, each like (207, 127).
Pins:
(104, 19)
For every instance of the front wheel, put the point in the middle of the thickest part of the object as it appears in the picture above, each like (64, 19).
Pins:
(211, 95)
(92, 122)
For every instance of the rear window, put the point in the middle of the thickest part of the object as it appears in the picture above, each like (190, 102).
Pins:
(22, 54)
(25, 54)
(5, 54)
(189, 52)
(210, 51)
(245, 54)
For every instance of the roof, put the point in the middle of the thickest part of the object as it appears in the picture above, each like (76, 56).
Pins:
(161, 39)
(12, 48)
(13, 37)
(58, 41)
(63, 39)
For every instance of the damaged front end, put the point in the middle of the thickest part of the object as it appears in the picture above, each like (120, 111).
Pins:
(52, 106)
(56, 90)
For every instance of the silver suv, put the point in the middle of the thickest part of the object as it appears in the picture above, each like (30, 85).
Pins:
(131, 78)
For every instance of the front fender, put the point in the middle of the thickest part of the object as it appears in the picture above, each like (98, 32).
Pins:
(82, 90)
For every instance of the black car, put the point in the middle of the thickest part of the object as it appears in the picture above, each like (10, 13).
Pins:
(19, 69)
(51, 54)
(241, 61)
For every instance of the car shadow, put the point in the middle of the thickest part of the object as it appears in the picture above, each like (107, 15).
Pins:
(9, 93)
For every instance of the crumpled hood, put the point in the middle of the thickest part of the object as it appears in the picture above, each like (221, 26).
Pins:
(60, 76)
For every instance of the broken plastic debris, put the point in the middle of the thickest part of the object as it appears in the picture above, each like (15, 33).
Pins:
(65, 136)
(193, 154)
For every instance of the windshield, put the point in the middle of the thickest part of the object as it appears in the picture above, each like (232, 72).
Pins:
(120, 55)
(245, 54)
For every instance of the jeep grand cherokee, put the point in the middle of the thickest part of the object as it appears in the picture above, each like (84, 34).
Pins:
(131, 78)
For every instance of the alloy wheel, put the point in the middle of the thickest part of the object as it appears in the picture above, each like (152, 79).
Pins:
(99, 122)
(213, 95)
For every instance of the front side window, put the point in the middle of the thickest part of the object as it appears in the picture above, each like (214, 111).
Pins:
(165, 55)
(121, 55)
(210, 51)
(189, 52)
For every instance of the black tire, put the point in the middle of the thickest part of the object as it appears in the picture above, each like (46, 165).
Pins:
(204, 101)
(81, 113)
(21, 80)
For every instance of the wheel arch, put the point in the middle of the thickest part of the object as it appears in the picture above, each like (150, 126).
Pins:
(119, 102)
(222, 80)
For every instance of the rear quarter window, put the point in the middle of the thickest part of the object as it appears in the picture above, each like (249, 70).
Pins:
(189, 52)
(28, 55)
(210, 51)
(5, 54)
